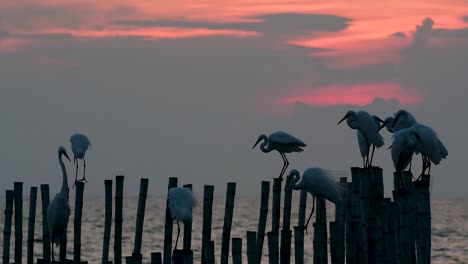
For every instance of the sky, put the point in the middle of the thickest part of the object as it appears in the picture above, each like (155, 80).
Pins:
(183, 89)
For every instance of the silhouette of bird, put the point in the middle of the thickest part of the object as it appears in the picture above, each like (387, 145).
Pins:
(181, 203)
(281, 142)
(80, 144)
(318, 182)
(365, 123)
(403, 146)
(364, 145)
(58, 211)
(401, 119)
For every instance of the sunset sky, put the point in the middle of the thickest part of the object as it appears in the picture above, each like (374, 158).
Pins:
(183, 88)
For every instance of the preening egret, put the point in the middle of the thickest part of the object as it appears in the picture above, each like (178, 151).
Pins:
(317, 182)
(404, 145)
(365, 123)
(281, 142)
(58, 211)
(80, 144)
(181, 203)
(401, 119)
(364, 146)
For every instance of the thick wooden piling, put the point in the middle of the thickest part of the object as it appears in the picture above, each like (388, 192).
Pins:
(320, 232)
(252, 247)
(140, 220)
(237, 250)
(45, 229)
(353, 223)
(364, 190)
(18, 190)
(7, 226)
(424, 219)
(275, 212)
(156, 258)
(118, 219)
(285, 246)
(375, 248)
(31, 222)
(340, 218)
(405, 226)
(396, 224)
(207, 216)
(228, 213)
(77, 222)
(168, 224)
(107, 220)
(387, 234)
(188, 229)
(299, 245)
(265, 194)
(273, 254)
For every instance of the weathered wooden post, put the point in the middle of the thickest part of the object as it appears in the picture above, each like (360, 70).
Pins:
(77, 222)
(45, 228)
(31, 222)
(353, 228)
(63, 245)
(252, 247)
(387, 232)
(424, 219)
(265, 194)
(207, 216)
(334, 243)
(7, 226)
(136, 255)
(404, 196)
(188, 253)
(209, 252)
(18, 189)
(299, 230)
(107, 221)
(273, 254)
(156, 258)
(340, 218)
(228, 213)
(276, 211)
(118, 219)
(237, 250)
(374, 249)
(396, 222)
(168, 224)
(364, 189)
(320, 232)
(285, 246)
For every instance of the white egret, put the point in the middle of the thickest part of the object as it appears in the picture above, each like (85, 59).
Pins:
(318, 182)
(403, 146)
(401, 119)
(364, 146)
(58, 211)
(365, 123)
(281, 142)
(80, 144)
(181, 203)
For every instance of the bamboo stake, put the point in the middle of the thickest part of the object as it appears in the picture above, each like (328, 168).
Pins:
(276, 205)
(18, 190)
(7, 226)
(107, 221)
(168, 224)
(265, 194)
(424, 219)
(156, 258)
(140, 220)
(251, 247)
(31, 222)
(210, 252)
(118, 219)
(364, 189)
(334, 242)
(188, 229)
(228, 213)
(299, 245)
(77, 222)
(351, 225)
(207, 216)
(285, 253)
(273, 254)
(45, 228)
(320, 232)
(285, 250)
(237, 250)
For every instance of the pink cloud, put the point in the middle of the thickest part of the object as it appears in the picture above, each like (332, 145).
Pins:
(358, 95)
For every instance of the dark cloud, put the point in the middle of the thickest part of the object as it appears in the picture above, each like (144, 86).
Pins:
(465, 18)
(286, 23)
(448, 33)
(399, 35)
(420, 39)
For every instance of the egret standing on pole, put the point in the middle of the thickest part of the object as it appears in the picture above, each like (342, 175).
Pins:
(80, 144)
(181, 203)
(281, 142)
(59, 211)
(318, 182)
(365, 123)
(364, 145)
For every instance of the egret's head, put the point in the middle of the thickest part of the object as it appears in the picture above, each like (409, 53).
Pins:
(388, 123)
(350, 115)
(260, 138)
(63, 151)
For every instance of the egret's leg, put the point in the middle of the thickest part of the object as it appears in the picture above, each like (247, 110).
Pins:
(311, 213)
(178, 233)
(429, 167)
(285, 165)
(76, 171)
(84, 170)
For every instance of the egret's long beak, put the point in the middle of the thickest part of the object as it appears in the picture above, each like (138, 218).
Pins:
(390, 147)
(256, 143)
(346, 116)
(382, 126)
(66, 156)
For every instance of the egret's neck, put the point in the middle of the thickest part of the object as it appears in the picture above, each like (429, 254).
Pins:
(64, 175)
(294, 180)
(265, 146)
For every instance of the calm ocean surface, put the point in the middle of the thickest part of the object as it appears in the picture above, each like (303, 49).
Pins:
(449, 228)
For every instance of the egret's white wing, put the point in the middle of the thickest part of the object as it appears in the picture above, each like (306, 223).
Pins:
(285, 138)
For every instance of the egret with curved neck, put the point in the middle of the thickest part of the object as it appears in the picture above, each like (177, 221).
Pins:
(58, 211)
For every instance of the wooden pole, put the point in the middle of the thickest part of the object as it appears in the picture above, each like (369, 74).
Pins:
(285, 247)
(396, 220)
(320, 232)
(168, 224)
(63, 245)
(340, 218)
(156, 258)
(334, 243)
(118, 219)
(263, 218)
(298, 245)
(285, 252)
(45, 229)
(7, 226)
(273, 254)
(351, 228)
(405, 226)
(77, 222)
(275, 219)
(31, 222)
(207, 216)
(237, 250)
(209, 252)
(18, 189)
(354, 237)
(107, 221)
(228, 213)
(140, 220)
(252, 247)
(188, 229)
(387, 232)
(424, 219)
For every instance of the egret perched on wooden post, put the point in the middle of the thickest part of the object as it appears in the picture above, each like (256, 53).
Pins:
(401, 119)
(181, 203)
(403, 146)
(364, 145)
(281, 142)
(317, 182)
(365, 123)
(58, 211)
(80, 144)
